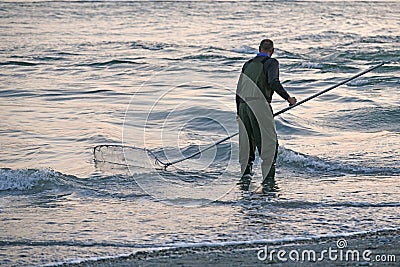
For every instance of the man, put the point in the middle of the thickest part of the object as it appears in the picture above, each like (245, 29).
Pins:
(257, 83)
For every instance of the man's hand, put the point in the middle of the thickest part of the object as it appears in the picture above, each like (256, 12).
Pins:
(292, 101)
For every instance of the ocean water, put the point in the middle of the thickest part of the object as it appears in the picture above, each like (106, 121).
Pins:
(162, 75)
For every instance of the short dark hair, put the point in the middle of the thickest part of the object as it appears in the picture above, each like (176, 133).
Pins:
(266, 45)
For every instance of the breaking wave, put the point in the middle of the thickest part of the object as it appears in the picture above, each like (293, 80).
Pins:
(36, 181)
(288, 157)
(29, 179)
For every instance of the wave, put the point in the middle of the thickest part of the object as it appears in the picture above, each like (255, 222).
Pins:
(177, 249)
(29, 179)
(212, 56)
(290, 158)
(359, 82)
(49, 58)
(18, 63)
(311, 65)
(113, 62)
(357, 55)
(36, 181)
(380, 39)
(47, 243)
(149, 46)
(244, 49)
(63, 53)
(368, 119)
(328, 67)
(306, 204)
(16, 93)
(151, 248)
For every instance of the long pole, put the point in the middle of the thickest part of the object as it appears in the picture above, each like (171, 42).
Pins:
(278, 113)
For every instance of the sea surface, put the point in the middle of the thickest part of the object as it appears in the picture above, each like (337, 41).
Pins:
(162, 76)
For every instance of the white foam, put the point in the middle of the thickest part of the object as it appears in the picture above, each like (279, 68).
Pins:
(300, 160)
(311, 163)
(311, 65)
(359, 82)
(85, 260)
(244, 49)
(289, 240)
(24, 179)
(282, 240)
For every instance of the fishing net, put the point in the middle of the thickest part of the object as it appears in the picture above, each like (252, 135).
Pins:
(126, 156)
(196, 181)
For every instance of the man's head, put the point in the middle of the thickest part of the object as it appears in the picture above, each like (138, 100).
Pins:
(266, 46)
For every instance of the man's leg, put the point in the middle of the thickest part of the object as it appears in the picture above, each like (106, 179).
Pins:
(270, 177)
(251, 158)
(265, 139)
(246, 141)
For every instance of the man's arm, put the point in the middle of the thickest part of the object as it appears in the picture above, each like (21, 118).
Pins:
(272, 72)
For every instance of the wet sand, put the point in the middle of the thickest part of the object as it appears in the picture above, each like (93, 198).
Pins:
(373, 249)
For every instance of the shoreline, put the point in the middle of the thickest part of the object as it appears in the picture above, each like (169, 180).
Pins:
(380, 248)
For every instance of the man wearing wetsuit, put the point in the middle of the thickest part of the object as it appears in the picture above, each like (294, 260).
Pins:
(257, 83)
